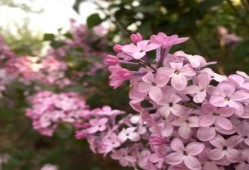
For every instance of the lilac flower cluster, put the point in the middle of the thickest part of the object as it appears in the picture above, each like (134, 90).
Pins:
(193, 117)
(50, 109)
(48, 71)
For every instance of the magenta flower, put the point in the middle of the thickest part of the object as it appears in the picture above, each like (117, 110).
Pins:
(152, 85)
(179, 74)
(138, 51)
(224, 148)
(97, 125)
(226, 95)
(129, 133)
(185, 154)
(166, 41)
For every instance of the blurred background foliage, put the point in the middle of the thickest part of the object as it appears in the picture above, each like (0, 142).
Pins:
(201, 20)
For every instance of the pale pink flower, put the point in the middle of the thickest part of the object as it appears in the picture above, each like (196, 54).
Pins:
(129, 133)
(185, 154)
(123, 156)
(170, 104)
(139, 51)
(97, 125)
(216, 116)
(111, 142)
(227, 95)
(185, 124)
(152, 85)
(166, 41)
(199, 90)
(224, 148)
(179, 74)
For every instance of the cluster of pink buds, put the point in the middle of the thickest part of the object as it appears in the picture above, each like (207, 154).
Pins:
(196, 118)
(48, 71)
(50, 109)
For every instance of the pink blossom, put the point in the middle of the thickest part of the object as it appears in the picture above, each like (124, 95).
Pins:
(97, 125)
(224, 148)
(166, 41)
(179, 74)
(170, 104)
(216, 116)
(138, 51)
(227, 95)
(153, 85)
(123, 156)
(185, 154)
(129, 133)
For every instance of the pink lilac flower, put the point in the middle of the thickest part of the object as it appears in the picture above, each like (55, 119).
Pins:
(123, 157)
(170, 104)
(224, 148)
(97, 125)
(178, 74)
(138, 51)
(185, 154)
(129, 133)
(227, 95)
(152, 85)
(200, 89)
(216, 116)
(166, 41)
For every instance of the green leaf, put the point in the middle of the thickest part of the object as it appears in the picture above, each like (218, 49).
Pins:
(241, 52)
(48, 37)
(93, 20)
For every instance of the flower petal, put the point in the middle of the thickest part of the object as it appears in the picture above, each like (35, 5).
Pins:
(192, 162)
(224, 123)
(216, 154)
(179, 82)
(155, 93)
(206, 133)
(206, 120)
(195, 148)
(177, 145)
(174, 158)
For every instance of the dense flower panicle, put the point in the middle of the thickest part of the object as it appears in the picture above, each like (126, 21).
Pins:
(50, 109)
(189, 116)
(48, 71)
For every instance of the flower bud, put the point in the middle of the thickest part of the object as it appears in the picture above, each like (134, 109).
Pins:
(117, 48)
(111, 60)
(136, 37)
